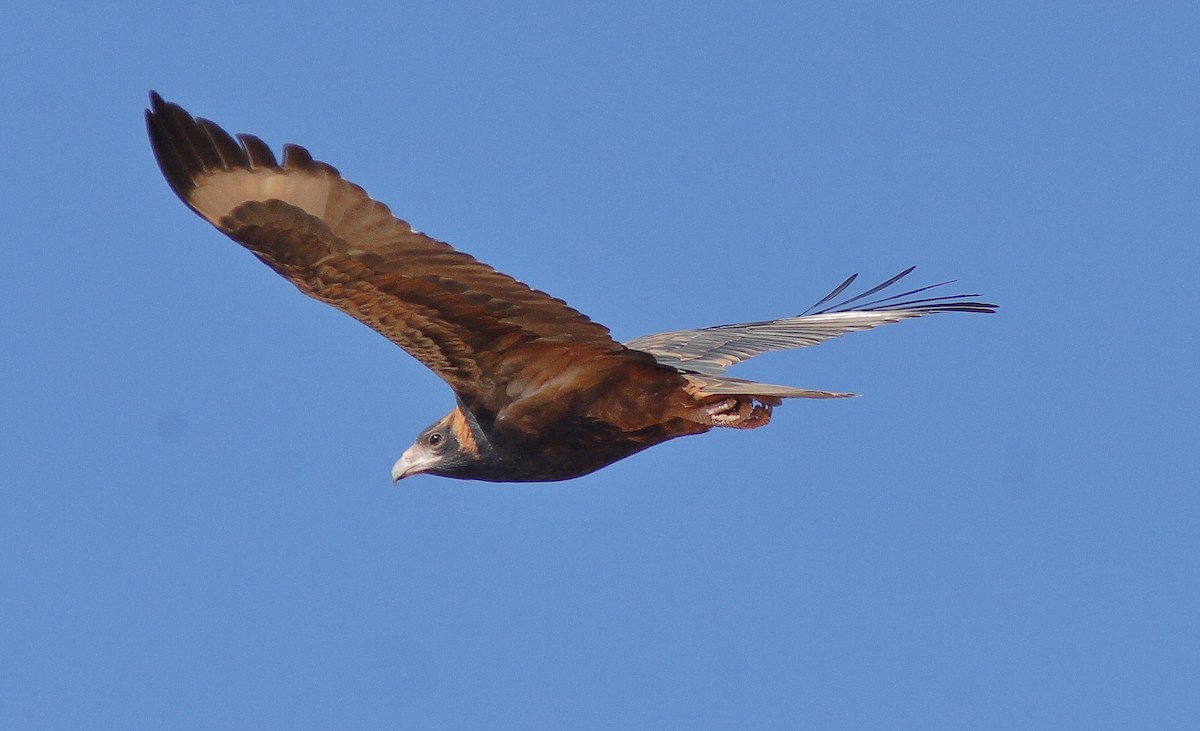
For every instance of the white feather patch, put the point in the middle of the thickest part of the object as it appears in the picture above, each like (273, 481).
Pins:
(217, 195)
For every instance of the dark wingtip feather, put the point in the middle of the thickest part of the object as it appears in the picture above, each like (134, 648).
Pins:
(167, 125)
(260, 155)
(295, 156)
(925, 305)
(836, 291)
(842, 305)
(230, 152)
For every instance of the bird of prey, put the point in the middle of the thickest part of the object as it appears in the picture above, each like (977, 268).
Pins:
(543, 393)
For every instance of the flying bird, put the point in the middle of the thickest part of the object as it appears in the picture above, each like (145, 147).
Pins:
(542, 392)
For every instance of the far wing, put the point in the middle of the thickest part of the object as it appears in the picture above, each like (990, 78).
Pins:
(711, 350)
(470, 324)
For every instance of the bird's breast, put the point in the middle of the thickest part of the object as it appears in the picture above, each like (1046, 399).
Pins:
(583, 418)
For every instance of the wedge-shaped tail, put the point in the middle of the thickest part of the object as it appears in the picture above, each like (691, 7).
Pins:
(710, 350)
(700, 385)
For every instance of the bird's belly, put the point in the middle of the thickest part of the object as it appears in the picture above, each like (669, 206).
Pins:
(574, 450)
(570, 428)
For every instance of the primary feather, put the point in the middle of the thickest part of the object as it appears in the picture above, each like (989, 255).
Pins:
(461, 318)
(710, 350)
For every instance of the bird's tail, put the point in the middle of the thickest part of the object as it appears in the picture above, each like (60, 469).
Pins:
(702, 386)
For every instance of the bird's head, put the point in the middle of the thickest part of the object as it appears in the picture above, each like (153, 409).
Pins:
(449, 448)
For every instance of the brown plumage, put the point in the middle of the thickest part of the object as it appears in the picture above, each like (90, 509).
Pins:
(543, 393)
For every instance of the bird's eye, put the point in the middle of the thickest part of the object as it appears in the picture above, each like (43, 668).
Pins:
(434, 439)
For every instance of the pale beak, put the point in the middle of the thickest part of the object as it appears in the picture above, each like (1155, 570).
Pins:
(410, 463)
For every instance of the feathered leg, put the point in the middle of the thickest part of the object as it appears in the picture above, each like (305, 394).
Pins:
(738, 412)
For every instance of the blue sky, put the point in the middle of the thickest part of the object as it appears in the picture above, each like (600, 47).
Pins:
(198, 529)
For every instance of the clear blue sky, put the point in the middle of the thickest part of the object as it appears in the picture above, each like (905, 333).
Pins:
(197, 527)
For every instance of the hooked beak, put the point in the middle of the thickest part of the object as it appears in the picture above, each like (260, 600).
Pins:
(410, 463)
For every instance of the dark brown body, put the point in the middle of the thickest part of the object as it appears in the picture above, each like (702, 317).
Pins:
(590, 416)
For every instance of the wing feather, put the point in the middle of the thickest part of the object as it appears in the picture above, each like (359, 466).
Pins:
(711, 350)
(464, 320)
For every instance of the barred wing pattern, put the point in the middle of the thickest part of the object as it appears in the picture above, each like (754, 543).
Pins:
(711, 350)
(464, 320)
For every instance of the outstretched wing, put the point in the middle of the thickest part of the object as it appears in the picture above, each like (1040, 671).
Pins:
(711, 350)
(461, 318)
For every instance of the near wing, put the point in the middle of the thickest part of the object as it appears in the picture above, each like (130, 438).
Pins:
(459, 317)
(711, 350)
